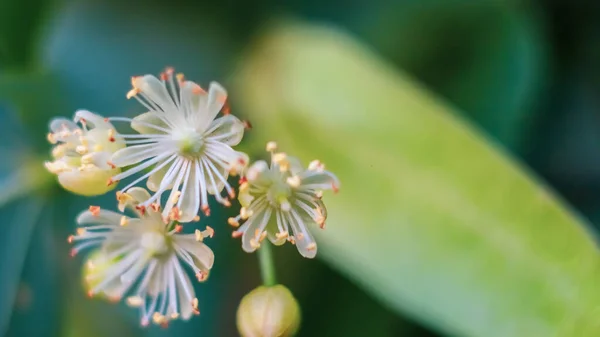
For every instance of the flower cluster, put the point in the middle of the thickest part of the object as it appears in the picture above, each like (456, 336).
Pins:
(182, 148)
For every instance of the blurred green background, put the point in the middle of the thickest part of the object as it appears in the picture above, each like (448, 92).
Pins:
(379, 91)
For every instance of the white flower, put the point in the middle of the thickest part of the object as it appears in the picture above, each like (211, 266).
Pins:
(280, 202)
(82, 154)
(187, 150)
(146, 253)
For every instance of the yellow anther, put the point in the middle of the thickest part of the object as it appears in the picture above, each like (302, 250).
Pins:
(316, 165)
(196, 218)
(233, 222)
(95, 210)
(254, 244)
(51, 138)
(134, 301)
(80, 231)
(311, 246)
(294, 181)
(271, 146)
(281, 160)
(58, 151)
(199, 236)
(209, 231)
(81, 149)
(175, 197)
(282, 235)
(174, 315)
(244, 187)
(132, 93)
(124, 221)
(245, 213)
(87, 159)
(111, 135)
(262, 236)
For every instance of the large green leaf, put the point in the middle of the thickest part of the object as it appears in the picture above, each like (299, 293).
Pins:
(431, 219)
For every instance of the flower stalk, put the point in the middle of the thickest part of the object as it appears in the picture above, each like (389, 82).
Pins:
(267, 265)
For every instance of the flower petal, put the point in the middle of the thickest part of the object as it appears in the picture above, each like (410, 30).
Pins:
(227, 129)
(156, 91)
(143, 123)
(135, 154)
(305, 242)
(190, 195)
(103, 217)
(92, 119)
(315, 180)
(215, 100)
(204, 257)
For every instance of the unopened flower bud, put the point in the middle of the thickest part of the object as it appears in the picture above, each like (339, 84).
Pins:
(94, 272)
(82, 153)
(268, 312)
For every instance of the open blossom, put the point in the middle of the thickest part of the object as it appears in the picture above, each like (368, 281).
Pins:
(185, 148)
(82, 153)
(281, 200)
(143, 257)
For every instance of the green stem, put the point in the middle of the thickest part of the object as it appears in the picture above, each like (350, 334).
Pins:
(267, 267)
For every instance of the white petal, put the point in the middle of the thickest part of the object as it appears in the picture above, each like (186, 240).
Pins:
(60, 124)
(314, 180)
(190, 195)
(135, 154)
(255, 224)
(227, 129)
(95, 120)
(156, 91)
(202, 254)
(104, 217)
(139, 123)
(305, 242)
(138, 194)
(215, 101)
(156, 178)
(184, 289)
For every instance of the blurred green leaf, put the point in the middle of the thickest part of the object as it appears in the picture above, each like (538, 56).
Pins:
(489, 57)
(18, 228)
(431, 219)
(35, 97)
(20, 23)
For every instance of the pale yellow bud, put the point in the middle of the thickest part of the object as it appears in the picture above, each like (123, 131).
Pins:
(94, 272)
(268, 312)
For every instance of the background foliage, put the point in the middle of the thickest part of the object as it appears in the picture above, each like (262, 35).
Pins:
(449, 122)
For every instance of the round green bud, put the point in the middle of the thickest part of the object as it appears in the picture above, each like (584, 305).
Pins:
(268, 312)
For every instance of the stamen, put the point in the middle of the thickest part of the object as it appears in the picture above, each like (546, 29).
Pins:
(271, 146)
(111, 135)
(294, 181)
(124, 221)
(134, 301)
(282, 235)
(95, 210)
(51, 138)
(233, 222)
(198, 235)
(316, 165)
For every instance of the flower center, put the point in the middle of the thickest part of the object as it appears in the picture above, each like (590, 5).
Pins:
(154, 243)
(190, 143)
(278, 193)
